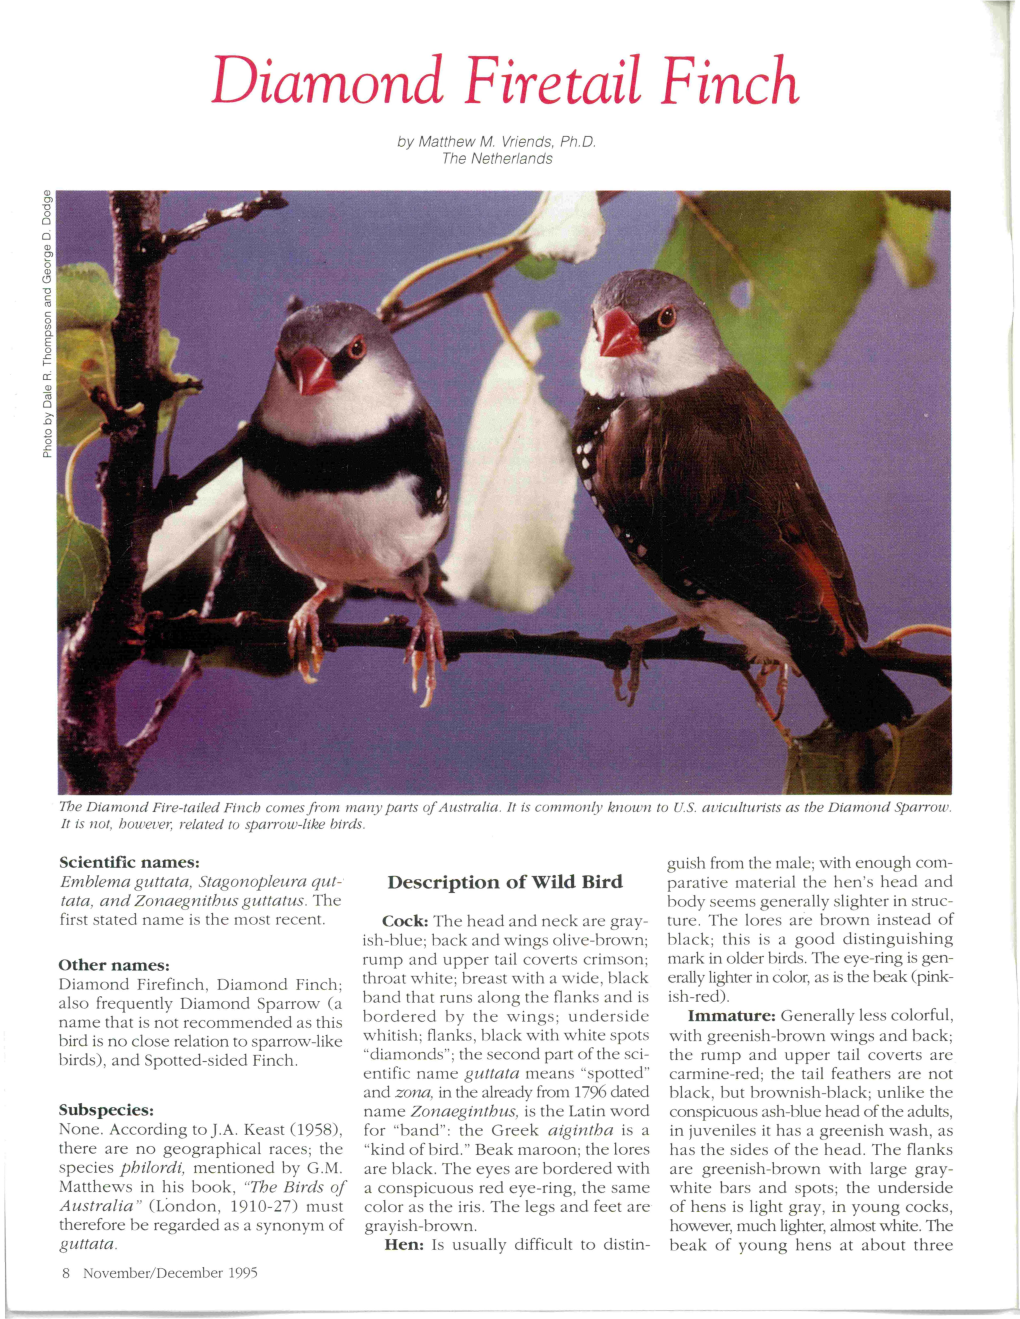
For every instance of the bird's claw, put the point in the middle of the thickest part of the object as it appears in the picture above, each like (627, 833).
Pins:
(782, 687)
(305, 625)
(757, 685)
(628, 635)
(428, 624)
(782, 683)
(634, 638)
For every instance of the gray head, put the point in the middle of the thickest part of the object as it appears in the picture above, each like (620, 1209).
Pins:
(650, 335)
(338, 374)
(343, 332)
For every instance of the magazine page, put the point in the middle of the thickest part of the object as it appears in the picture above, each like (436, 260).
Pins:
(501, 841)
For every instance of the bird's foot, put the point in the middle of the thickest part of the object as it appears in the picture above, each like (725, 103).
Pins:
(757, 685)
(635, 638)
(782, 682)
(630, 636)
(304, 628)
(428, 624)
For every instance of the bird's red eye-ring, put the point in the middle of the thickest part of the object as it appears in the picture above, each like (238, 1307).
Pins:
(666, 318)
(357, 348)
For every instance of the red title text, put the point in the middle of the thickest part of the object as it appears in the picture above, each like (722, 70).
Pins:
(495, 80)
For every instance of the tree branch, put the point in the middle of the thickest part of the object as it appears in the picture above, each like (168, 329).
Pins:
(109, 639)
(155, 246)
(930, 201)
(190, 670)
(396, 316)
(165, 706)
(202, 635)
(176, 492)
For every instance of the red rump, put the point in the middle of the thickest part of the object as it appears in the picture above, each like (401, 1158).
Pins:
(821, 578)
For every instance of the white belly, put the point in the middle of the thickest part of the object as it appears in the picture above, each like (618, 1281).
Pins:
(764, 644)
(363, 538)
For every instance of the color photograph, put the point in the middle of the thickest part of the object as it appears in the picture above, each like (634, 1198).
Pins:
(467, 493)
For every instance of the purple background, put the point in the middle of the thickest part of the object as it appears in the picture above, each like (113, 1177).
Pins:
(875, 428)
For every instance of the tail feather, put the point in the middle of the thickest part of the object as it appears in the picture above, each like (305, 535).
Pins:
(853, 689)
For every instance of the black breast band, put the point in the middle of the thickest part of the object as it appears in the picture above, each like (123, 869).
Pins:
(332, 466)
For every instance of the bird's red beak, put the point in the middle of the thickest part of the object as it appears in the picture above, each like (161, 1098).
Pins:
(618, 335)
(311, 370)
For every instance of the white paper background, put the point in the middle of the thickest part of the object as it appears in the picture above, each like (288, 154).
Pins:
(892, 93)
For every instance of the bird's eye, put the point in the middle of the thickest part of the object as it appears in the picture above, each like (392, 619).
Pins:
(666, 318)
(357, 348)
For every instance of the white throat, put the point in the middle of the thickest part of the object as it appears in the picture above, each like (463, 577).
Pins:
(362, 404)
(675, 361)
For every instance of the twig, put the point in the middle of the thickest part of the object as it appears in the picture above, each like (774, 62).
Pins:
(191, 668)
(168, 438)
(900, 660)
(930, 201)
(511, 240)
(190, 632)
(913, 630)
(72, 463)
(504, 330)
(155, 246)
(117, 418)
(176, 492)
(137, 747)
(189, 383)
(395, 316)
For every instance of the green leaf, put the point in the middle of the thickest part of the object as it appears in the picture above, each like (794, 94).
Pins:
(907, 231)
(781, 273)
(168, 345)
(545, 320)
(537, 267)
(80, 358)
(918, 761)
(86, 306)
(923, 762)
(85, 297)
(83, 560)
(833, 762)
